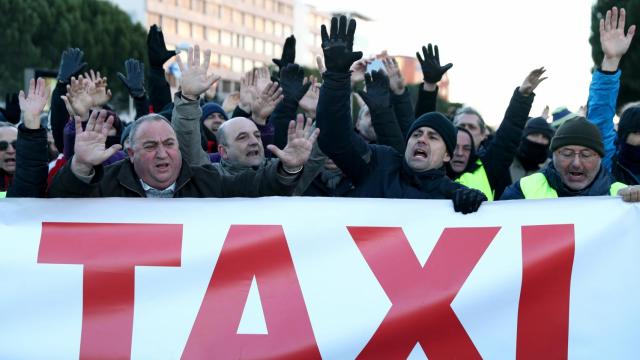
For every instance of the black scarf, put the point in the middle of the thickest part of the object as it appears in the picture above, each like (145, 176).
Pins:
(432, 181)
(629, 157)
(531, 154)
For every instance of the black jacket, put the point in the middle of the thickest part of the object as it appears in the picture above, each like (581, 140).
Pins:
(120, 180)
(375, 171)
(622, 174)
(32, 165)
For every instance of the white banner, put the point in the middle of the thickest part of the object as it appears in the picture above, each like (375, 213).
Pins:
(300, 278)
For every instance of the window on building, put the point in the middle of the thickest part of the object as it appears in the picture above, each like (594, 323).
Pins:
(184, 4)
(268, 27)
(213, 36)
(248, 21)
(259, 24)
(287, 30)
(168, 25)
(236, 40)
(278, 29)
(258, 46)
(153, 19)
(197, 32)
(197, 5)
(236, 65)
(225, 61)
(248, 65)
(225, 38)
(226, 86)
(269, 5)
(237, 17)
(211, 9)
(268, 48)
(248, 43)
(258, 64)
(184, 28)
(215, 59)
(277, 50)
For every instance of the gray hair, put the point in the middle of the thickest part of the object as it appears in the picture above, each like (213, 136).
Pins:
(141, 120)
(468, 110)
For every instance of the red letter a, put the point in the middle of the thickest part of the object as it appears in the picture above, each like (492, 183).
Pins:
(249, 250)
(421, 296)
(109, 253)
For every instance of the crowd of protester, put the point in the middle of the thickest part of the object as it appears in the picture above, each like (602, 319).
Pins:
(287, 134)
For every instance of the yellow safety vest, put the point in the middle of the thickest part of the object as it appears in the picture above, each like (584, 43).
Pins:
(477, 180)
(536, 186)
(3, 194)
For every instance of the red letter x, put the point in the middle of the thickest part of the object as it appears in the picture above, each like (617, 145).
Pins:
(421, 297)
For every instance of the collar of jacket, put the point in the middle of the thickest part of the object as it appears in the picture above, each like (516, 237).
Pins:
(128, 178)
(601, 185)
(428, 181)
(234, 168)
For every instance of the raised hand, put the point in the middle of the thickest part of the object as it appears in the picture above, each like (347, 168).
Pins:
(431, 70)
(134, 81)
(288, 53)
(97, 88)
(195, 80)
(532, 81)
(338, 47)
(309, 101)
(358, 69)
(89, 146)
(396, 80)
(293, 83)
(613, 41)
(261, 78)
(300, 142)
(377, 95)
(156, 47)
(70, 64)
(78, 100)
(265, 103)
(33, 104)
(248, 92)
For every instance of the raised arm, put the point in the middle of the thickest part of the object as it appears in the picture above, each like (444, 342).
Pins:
(400, 98)
(500, 153)
(159, 90)
(71, 64)
(383, 119)
(605, 82)
(432, 72)
(134, 82)
(337, 138)
(30, 179)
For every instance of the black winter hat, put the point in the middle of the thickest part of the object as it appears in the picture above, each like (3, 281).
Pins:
(439, 123)
(538, 125)
(629, 122)
(578, 131)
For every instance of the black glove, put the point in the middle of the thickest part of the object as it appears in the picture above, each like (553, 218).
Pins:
(431, 69)
(377, 95)
(156, 48)
(467, 200)
(12, 108)
(291, 82)
(338, 48)
(70, 64)
(134, 81)
(288, 54)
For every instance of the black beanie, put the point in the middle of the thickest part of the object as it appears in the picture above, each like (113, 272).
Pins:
(578, 131)
(629, 122)
(440, 124)
(538, 125)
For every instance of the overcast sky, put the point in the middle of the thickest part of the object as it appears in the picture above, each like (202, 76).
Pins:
(492, 44)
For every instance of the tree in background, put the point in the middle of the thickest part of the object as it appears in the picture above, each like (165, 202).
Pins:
(35, 32)
(630, 64)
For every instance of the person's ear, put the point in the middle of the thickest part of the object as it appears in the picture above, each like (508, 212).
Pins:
(130, 153)
(222, 151)
(447, 157)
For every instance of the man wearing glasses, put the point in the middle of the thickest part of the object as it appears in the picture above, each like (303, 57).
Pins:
(576, 169)
(8, 138)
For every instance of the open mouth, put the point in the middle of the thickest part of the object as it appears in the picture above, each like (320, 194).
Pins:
(10, 161)
(253, 153)
(420, 153)
(576, 175)
(162, 166)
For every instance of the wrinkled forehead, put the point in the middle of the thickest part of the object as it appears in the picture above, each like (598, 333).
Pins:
(8, 133)
(238, 125)
(154, 130)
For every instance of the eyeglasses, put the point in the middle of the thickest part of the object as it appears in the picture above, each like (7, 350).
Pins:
(569, 155)
(4, 145)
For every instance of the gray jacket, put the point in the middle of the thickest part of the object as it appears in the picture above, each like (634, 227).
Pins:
(186, 123)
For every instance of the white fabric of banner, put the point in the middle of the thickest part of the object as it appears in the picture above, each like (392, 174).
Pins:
(41, 304)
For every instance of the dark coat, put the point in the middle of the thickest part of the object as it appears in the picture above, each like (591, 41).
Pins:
(120, 180)
(32, 165)
(376, 171)
(622, 174)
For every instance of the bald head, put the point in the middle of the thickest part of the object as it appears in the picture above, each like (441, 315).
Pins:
(240, 142)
